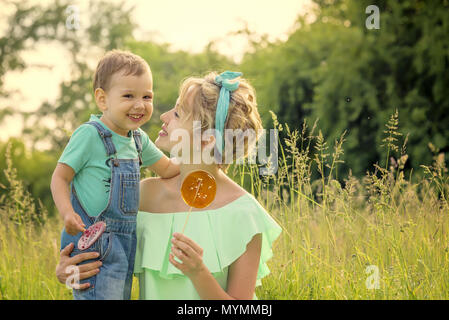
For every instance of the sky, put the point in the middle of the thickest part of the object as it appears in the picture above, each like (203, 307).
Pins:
(190, 27)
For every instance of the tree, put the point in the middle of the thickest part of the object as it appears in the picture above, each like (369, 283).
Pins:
(110, 27)
(349, 77)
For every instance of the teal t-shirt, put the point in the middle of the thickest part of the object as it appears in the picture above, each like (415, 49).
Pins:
(86, 155)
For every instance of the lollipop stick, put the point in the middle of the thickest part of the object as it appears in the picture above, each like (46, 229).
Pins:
(190, 210)
(187, 219)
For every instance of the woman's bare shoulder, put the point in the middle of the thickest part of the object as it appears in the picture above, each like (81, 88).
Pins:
(155, 192)
(149, 182)
(159, 184)
(149, 186)
(233, 190)
(153, 186)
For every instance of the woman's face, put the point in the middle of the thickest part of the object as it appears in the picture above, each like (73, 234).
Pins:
(174, 119)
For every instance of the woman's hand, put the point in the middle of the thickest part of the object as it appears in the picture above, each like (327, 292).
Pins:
(66, 263)
(190, 253)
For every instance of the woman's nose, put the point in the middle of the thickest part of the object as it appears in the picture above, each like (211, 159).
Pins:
(163, 116)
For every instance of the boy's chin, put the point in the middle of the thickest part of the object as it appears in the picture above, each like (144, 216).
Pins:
(135, 125)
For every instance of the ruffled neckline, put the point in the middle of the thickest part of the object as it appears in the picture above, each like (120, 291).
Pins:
(223, 233)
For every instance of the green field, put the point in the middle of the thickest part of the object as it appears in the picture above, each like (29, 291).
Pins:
(336, 241)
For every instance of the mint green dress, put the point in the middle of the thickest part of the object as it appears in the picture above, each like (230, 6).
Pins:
(223, 234)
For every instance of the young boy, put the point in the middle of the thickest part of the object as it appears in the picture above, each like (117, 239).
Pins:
(97, 176)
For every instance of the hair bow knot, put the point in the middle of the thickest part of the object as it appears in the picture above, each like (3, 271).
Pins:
(223, 104)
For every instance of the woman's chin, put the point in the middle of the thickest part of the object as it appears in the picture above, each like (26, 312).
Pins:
(161, 145)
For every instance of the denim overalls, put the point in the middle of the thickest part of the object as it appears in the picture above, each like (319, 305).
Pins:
(117, 245)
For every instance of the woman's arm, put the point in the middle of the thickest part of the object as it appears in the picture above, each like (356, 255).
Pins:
(242, 272)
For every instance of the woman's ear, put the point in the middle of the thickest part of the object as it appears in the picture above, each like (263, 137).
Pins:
(100, 99)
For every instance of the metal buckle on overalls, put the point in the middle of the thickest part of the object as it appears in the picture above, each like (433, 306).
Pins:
(115, 162)
(106, 134)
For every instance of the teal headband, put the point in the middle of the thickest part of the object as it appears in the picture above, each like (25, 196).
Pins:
(223, 104)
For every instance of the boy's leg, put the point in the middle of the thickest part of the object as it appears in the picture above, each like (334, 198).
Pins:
(111, 280)
(130, 242)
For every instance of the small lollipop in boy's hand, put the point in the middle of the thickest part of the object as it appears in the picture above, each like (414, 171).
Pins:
(198, 190)
(91, 235)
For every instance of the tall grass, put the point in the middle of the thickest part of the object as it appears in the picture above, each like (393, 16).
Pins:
(336, 238)
(28, 244)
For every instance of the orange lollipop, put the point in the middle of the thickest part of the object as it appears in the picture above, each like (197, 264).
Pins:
(198, 190)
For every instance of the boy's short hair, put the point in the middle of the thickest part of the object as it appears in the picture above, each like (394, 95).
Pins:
(117, 60)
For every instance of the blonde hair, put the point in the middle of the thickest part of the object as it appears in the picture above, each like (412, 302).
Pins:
(242, 112)
(115, 61)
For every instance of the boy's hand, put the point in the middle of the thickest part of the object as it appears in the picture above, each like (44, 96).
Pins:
(73, 223)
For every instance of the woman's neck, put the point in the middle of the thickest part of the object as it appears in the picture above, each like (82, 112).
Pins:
(213, 169)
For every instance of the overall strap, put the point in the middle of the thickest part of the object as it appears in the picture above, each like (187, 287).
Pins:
(138, 141)
(105, 137)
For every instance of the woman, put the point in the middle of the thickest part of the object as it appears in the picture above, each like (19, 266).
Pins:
(223, 251)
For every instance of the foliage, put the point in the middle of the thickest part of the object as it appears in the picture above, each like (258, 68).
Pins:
(351, 78)
(331, 68)
(109, 27)
(32, 168)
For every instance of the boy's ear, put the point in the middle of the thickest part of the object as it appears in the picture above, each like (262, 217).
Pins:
(100, 99)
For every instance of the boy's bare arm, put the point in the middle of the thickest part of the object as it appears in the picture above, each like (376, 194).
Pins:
(60, 190)
(60, 182)
(165, 167)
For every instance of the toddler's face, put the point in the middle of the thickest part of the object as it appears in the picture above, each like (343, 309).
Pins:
(128, 103)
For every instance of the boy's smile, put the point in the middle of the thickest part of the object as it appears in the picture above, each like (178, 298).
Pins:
(128, 102)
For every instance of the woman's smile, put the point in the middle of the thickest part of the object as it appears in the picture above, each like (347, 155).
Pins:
(163, 132)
